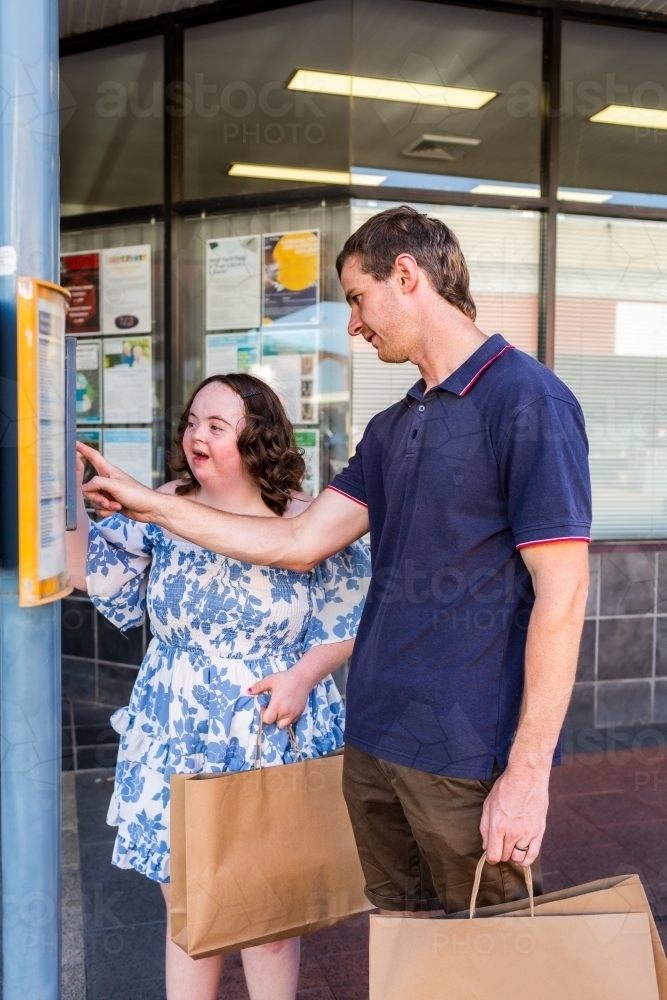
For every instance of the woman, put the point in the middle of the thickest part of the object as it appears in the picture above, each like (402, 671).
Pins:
(224, 633)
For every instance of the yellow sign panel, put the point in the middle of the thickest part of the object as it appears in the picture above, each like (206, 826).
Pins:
(40, 310)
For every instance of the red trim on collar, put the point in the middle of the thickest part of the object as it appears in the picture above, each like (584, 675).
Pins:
(347, 496)
(507, 347)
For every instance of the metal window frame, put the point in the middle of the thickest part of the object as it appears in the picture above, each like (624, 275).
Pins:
(175, 207)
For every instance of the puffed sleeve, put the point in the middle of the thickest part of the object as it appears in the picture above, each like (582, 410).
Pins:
(338, 592)
(119, 558)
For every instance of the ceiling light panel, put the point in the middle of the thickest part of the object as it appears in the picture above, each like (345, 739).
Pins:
(267, 172)
(621, 114)
(378, 89)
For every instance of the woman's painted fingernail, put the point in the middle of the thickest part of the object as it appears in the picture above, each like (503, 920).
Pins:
(249, 690)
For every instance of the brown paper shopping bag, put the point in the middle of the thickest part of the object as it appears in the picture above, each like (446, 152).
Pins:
(261, 855)
(592, 942)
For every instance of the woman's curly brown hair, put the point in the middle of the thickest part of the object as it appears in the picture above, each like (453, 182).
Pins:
(266, 443)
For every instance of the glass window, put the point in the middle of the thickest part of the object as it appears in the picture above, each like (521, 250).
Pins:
(112, 412)
(111, 127)
(613, 137)
(501, 248)
(258, 292)
(611, 349)
(246, 129)
(446, 97)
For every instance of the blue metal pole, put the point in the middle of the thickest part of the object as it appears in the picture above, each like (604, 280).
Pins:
(29, 638)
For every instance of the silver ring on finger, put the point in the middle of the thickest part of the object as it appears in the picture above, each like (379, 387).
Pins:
(522, 849)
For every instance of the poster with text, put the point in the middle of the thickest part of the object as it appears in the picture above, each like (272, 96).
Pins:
(289, 364)
(230, 352)
(80, 275)
(309, 440)
(292, 276)
(126, 289)
(51, 443)
(128, 381)
(131, 449)
(89, 382)
(233, 287)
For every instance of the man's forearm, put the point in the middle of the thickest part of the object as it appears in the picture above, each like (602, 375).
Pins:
(552, 648)
(264, 541)
(329, 524)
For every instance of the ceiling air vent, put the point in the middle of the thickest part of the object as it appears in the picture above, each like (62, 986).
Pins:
(440, 147)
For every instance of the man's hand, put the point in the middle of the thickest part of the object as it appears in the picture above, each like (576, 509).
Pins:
(514, 817)
(515, 812)
(112, 490)
(289, 694)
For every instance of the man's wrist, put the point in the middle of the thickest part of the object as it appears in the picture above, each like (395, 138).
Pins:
(529, 767)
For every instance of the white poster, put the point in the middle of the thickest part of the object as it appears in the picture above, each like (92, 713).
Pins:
(126, 289)
(289, 364)
(233, 286)
(131, 449)
(229, 352)
(128, 381)
(51, 387)
(309, 440)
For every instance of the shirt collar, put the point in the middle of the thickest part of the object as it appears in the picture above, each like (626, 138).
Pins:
(462, 380)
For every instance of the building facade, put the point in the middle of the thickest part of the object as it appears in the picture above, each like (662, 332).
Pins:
(214, 160)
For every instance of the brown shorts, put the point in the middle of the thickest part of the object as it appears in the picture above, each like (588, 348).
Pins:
(418, 837)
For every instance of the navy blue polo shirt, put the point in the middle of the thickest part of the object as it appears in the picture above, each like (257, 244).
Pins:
(457, 481)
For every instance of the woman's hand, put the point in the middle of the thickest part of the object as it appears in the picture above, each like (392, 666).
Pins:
(289, 694)
(290, 688)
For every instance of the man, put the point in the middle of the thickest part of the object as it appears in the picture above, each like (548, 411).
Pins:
(476, 491)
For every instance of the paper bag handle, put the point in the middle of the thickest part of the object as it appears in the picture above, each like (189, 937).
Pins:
(527, 874)
(257, 763)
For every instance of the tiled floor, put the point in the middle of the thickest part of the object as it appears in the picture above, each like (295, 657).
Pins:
(608, 816)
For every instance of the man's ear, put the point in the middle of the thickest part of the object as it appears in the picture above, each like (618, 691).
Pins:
(407, 272)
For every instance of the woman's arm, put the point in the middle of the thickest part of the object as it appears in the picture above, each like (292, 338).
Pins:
(77, 541)
(290, 688)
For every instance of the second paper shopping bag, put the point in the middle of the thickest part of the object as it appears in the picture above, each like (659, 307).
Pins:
(261, 855)
(595, 942)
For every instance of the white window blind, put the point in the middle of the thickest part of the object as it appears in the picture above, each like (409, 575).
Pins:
(611, 349)
(501, 248)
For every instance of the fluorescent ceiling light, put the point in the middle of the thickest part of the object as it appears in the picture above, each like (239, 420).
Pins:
(621, 114)
(303, 174)
(377, 89)
(506, 190)
(592, 197)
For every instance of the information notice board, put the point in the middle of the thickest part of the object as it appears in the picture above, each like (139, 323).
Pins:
(41, 441)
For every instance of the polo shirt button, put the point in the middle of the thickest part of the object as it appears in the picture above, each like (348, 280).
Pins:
(421, 408)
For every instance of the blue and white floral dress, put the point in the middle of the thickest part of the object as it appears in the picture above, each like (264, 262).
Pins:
(218, 627)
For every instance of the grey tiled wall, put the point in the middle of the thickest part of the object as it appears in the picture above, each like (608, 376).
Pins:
(622, 672)
(99, 662)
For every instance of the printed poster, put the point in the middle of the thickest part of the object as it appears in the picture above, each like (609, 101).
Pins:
(233, 288)
(80, 275)
(309, 440)
(289, 364)
(131, 449)
(128, 380)
(229, 352)
(51, 402)
(89, 382)
(292, 276)
(126, 289)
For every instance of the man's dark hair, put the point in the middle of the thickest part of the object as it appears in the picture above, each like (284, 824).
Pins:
(433, 245)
